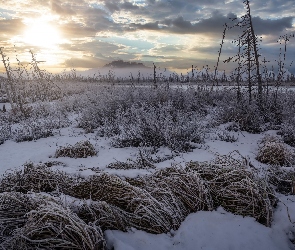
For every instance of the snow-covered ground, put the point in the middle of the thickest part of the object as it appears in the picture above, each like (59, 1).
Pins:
(202, 230)
(205, 230)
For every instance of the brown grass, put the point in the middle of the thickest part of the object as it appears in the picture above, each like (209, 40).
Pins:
(81, 149)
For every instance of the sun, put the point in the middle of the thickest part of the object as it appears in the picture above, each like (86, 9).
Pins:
(42, 34)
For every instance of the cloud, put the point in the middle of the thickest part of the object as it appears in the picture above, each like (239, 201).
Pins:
(11, 27)
(215, 25)
(58, 8)
(85, 62)
(177, 32)
(270, 26)
(128, 6)
(94, 47)
(73, 30)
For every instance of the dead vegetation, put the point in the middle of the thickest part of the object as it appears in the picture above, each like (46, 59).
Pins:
(81, 149)
(41, 222)
(33, 215)
(237, 189)
(143, 161)
(283, 179)
(273, 151)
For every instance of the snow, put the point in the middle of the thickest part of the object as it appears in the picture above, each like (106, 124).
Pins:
(205, 230)
(202, 230)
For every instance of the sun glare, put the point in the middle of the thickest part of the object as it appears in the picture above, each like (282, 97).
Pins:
(42, 34)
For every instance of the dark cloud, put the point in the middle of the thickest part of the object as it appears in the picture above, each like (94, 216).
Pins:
(215, 25)
(150, 1)
(179, 25)
(117, 5)
(269, 26)
(59, 8)
(145, 26)
(112, 6)
(128, 6)
(273, 6)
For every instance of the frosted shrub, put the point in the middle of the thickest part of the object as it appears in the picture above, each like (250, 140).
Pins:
(31, 131)
(282, 178)
(91, 118)
(5, 133)
(143, 161)
(103, 105)
(273, 151)
(252, 118)
(287, 132)
(100, 107)
(81, 149)
(157, 126)
(226, 136)
(51, 115)
(246, 116)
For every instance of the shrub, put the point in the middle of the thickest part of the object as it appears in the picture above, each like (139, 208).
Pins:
(157, 126)
(5, 132)
(252, 118)
(226, 136)
(282, 179)
(245, 115)
(287, 132)
(273, 151)
(31, 131)
(143, 161)
(81, 149)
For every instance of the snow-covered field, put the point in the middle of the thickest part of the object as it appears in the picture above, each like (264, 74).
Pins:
(206, 230)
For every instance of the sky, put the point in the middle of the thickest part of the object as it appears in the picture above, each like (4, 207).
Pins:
(173, 34)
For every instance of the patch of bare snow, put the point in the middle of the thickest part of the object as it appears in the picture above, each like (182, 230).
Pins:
(207, 231)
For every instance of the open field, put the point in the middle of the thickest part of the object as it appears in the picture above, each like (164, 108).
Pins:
(126, 167)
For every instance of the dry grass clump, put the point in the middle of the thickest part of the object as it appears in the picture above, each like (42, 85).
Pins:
(181, 188)
(41, 222)
(283, 179)
(122, 165)
(142, 210)
(52, 226)
(141, 162)
(156, 203)
(35, 178)
(238, 190)
(81, 149)
(106, 215)
(13, 209)
(151, 218)
(273, 151)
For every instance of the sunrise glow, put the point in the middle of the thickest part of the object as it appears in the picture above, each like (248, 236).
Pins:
(41, 34)
(172, 34)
